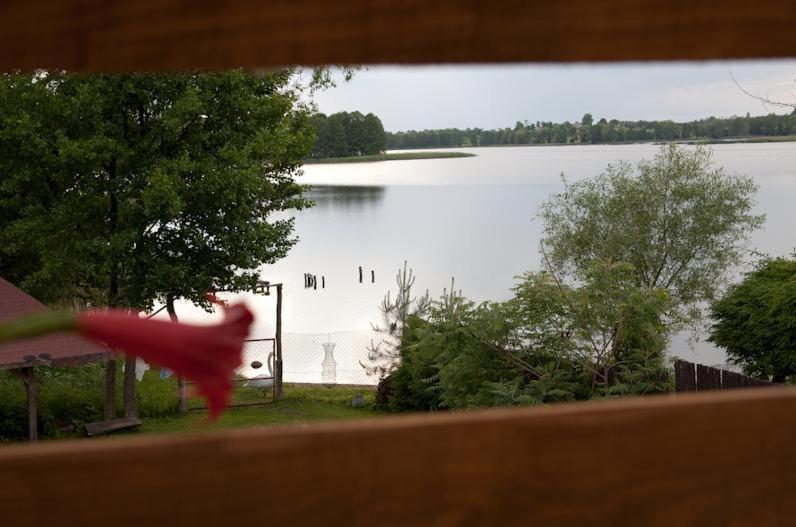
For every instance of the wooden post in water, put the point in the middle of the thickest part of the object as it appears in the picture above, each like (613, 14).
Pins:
(278, 361)
(372, 276)
(323, 282)
(360, 274)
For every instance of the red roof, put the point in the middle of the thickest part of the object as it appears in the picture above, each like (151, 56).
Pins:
(59, 349)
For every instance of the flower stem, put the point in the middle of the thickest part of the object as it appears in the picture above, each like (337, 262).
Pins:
(38, 324)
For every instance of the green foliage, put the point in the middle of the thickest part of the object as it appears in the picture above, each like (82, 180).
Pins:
(346, 134)
(604, 131)
(123, 189)
(70, 397)
(384, 355)
(679, 221)
(551, 342)
(755, 321)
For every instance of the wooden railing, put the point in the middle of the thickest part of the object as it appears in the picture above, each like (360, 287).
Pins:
(716, 458)
(175, 34)
(720, 458)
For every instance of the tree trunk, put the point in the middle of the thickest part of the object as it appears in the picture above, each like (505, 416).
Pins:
(180, 380)
(113, 294)
(129, 390)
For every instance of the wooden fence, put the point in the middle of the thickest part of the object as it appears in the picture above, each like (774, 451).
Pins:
(713, 458)
(690, 377)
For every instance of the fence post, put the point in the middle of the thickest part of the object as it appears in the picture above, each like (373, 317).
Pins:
(684, 376)
(278, 361)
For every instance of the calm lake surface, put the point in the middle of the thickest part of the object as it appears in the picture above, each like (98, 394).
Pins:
(472, 219)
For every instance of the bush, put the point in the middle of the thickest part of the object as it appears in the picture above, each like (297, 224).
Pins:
(72, 396)
(755, 321)
(551, 342)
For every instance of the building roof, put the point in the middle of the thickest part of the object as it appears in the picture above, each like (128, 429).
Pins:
(58, 349)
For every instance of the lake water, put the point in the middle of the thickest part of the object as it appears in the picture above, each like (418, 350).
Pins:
(469, 218)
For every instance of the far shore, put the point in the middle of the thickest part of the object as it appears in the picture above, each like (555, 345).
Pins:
(403, 156)
(726, 140)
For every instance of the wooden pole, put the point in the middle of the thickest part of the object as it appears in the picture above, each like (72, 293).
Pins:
(27, 376)
(278, 361)
(372, 276)
(128, 387)
(110, 389)
(360, 274)
(129, 398)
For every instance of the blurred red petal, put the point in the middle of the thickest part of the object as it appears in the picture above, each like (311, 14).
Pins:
(207, 355)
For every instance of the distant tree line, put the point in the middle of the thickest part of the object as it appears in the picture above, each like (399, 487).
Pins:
(587, 131)
(345, 134)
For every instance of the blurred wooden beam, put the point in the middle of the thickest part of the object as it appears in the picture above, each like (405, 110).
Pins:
(113, 35)
(717, 458)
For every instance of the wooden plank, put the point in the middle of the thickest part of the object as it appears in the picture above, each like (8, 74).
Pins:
(731, 380)
(718, 458)
(97, 35)
(679, 382)
(702, 378)
(106, 427)
(715, 375)
(689, 376)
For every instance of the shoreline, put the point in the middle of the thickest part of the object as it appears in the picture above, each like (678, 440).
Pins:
(729, 140)
(375, 158)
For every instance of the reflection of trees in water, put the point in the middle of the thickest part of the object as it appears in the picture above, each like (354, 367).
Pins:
(345, 197)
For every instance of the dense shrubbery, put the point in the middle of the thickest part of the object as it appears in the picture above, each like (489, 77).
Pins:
(551, 342)
(72, 396)
(756, 321)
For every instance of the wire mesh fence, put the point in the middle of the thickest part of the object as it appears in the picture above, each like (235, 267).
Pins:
(255, 381)
(329, 358)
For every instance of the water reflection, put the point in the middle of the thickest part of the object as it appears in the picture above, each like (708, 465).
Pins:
(345, 197)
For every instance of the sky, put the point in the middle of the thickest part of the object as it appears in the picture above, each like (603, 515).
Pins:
(497, 96)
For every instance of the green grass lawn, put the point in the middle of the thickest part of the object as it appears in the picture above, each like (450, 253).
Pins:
(70, 397)
(297, 405)
(387, 157)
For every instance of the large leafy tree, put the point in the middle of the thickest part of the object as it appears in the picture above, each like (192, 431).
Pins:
(121, 190)
(139, 187)
(755, 321)
(346, 134)
(677, 219)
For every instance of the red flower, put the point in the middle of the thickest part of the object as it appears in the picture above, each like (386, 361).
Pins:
(208, 355)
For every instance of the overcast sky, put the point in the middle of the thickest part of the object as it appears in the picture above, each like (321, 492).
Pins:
(412, 97)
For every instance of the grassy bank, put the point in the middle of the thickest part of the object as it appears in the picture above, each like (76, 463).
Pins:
(297, 405)
(403, 156)
(71, 397)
